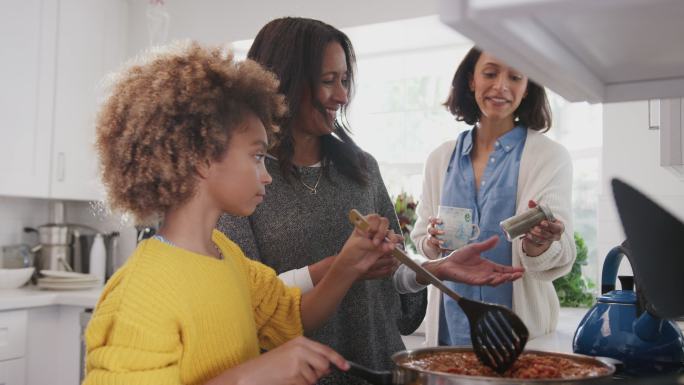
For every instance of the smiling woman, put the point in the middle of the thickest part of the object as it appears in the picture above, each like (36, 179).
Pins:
(524, 101)
(499, 168)
(317, 114)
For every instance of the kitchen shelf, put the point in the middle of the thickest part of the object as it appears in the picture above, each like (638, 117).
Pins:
(584, 50)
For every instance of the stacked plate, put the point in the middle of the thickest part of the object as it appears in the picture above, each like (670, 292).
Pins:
(66, 280)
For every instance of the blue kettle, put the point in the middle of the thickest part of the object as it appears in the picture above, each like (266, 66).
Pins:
(621, 326)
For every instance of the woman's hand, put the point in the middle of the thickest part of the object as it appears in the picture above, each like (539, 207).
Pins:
(383, 267)
(363, 248)
(465, 265)
(433, 243)
(386, 265)
(539, 238)
(300, 361)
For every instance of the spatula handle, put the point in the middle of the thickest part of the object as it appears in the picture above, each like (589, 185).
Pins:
(357, 220)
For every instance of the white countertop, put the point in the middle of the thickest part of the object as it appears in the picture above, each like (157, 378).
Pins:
(558, 341)
(31, 296)
(561, 339)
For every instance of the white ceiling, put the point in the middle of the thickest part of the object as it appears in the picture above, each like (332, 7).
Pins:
(392, 36)
(221, 21)
(594, 50)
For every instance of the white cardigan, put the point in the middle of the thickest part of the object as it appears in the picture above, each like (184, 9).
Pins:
(545, 176)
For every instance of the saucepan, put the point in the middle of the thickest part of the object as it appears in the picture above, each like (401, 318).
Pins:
(406, 371)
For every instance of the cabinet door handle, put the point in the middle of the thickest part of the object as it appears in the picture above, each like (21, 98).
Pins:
(654, 114)
(61, 167)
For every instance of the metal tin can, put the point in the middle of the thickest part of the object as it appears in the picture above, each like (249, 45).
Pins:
(520, 224)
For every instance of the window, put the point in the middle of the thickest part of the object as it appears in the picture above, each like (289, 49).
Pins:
(397, 115)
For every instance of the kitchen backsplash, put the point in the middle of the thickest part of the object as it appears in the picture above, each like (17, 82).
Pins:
(17, 213)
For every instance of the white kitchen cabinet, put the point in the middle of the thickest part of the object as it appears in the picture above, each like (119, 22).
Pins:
(13, 372)
(53, 345)
(671, 124)
(584, 50)
(13, 347)
(50, 322)
(58, 53)
(28, 31)
(91, 44)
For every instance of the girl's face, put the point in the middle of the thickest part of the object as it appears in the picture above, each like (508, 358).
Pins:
(237, 182)
(498, 88)
(317, 114)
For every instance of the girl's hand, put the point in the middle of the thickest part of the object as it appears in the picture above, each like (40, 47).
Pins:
(536, 241)
(300, 361)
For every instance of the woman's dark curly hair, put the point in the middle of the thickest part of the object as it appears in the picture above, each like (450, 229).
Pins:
(533, 112)
(175, 110)
(292, 47)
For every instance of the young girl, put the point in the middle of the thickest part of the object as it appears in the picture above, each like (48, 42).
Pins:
(183, 137)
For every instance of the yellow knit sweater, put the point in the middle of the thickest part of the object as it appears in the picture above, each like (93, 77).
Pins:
(170, 316)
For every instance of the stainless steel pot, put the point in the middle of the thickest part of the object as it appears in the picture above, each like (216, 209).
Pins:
(63, 246)
(54, 245)
(404, 374)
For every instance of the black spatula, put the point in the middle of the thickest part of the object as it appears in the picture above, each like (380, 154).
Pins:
(656, 240)
(498, 335)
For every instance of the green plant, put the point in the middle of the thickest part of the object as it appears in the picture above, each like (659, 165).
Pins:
(573, 289)
(405, 207)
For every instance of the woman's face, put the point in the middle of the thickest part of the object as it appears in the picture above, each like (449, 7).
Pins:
(317, 114)
(498, 88)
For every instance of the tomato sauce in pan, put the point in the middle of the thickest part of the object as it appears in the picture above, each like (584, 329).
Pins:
(528, 365)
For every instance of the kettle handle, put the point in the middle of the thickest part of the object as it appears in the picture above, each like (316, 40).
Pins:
(610, 268)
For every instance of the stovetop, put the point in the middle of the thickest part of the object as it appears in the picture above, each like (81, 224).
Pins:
(674, 378)
(663, 379)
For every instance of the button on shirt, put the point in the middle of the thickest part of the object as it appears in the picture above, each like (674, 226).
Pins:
(494, 201)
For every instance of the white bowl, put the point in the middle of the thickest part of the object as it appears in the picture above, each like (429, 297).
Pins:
(14, 278)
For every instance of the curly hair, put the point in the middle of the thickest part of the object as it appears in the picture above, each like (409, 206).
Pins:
(170, 111)
(533, 112)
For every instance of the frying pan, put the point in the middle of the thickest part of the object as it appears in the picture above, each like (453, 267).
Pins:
(405, 374)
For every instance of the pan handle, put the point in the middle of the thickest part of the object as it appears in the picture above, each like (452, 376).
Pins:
(373, 376)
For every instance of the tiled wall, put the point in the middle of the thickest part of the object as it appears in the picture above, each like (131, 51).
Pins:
(94, 215)
(17, 213)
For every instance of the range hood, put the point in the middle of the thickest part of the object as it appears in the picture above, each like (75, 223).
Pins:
(584, 50)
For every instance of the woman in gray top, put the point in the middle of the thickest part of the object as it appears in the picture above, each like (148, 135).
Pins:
(319, 174)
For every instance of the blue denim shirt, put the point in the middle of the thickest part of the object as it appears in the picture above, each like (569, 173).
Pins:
(493, 202)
